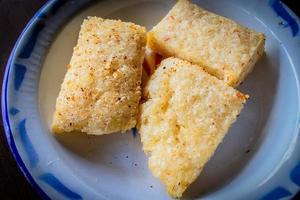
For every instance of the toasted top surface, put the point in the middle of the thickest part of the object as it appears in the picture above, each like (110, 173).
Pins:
(222, 46)
(186, 116)
(101, 89)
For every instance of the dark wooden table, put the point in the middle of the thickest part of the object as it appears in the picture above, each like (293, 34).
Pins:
(14, 14)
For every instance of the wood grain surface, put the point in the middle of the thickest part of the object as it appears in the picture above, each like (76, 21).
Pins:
(14, 15)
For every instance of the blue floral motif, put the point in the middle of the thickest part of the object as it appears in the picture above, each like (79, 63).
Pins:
(295, 175)
(285, 15)
(52, 181)
(13, 111)
(20, 71)
(29, 149)
(276, 194)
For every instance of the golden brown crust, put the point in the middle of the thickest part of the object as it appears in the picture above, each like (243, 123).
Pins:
(185, 117)
(224, 48)
(101, 89)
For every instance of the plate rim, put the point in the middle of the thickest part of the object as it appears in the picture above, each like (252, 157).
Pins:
(4, 92)
(4, 108)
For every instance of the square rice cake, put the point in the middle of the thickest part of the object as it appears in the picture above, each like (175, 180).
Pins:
(101, 90)
(221, 46)
(185, 117)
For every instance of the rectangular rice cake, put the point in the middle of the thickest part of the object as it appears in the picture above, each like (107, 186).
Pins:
(224, 48)
(101, 89)
(185, 117)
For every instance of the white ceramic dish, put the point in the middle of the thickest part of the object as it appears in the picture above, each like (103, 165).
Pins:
(259, 158)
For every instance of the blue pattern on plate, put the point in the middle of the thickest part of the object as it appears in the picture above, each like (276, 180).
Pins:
(133, 131)
(30, 43)
(13, 111)
(29, 149)
(56, 6)
(295, 174)
(51, 180)
(53, 10)
(42, 15)
(277, 193)
(281, 12)
(20, 71)
(40, 24)
(31, 32)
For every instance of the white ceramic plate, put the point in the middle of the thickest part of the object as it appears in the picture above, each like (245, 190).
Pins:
(259, 158)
